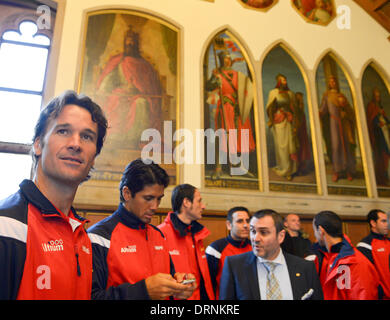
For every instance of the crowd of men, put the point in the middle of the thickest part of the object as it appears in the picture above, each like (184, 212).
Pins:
(46, 253)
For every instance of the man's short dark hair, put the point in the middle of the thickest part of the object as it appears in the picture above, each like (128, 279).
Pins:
(373, 215)
(179, 193)
(235, 209)
(139, 174)
(278, 220)
(55, 107)
(331, 223)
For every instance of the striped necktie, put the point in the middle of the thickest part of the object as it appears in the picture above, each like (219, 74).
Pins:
(273, 288)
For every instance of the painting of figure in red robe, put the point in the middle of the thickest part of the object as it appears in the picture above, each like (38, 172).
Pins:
(134, 80)
(341, 141)
(229, 120)
(376, 97)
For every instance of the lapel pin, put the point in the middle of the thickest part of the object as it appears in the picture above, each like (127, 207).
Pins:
(298, 274)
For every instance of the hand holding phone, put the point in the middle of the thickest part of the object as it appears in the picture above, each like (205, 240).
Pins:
(188, 281)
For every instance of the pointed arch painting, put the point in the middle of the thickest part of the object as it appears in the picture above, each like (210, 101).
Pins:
(230, 115)
(341, 142)
(291, 166)
(376, 99)
(135, 81)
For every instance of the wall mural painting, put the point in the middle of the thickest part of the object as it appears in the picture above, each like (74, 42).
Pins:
(376, 98)
(229, 116)
(288, 132)
(341, 143)
(320, 12)
(261, 5)
(134, 80)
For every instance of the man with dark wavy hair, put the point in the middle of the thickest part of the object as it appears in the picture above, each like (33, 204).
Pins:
(45, 252)
(130, 256)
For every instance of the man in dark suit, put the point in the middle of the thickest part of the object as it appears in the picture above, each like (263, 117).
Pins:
(268, 273)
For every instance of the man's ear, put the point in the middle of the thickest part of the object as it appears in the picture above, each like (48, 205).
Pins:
(186, 203)
(281, 236)
(37, 148)
(126, 193)
(321, 230)
(228, 225)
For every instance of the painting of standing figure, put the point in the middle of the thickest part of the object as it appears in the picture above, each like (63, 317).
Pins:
(376, 98)
(288, 131)
(229, 115)
(337, 111)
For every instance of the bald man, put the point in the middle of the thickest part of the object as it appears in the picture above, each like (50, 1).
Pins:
(294, 242)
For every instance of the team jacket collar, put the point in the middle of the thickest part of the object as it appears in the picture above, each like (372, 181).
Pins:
(35, 196)
(238, 243)
(378, 236)
(344, 250)
(128, 218)
(183, 228)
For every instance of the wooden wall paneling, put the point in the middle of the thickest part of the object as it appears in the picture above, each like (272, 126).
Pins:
(217, 228)
(354, 227)
(94, 217)
(356, 230)
(307, 227)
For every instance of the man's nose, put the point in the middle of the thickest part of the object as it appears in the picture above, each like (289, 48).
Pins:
(154, 205)
(257, 237)
(74, 142)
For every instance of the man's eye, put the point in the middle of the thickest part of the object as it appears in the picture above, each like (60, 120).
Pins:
(87, 137)
(62, 131)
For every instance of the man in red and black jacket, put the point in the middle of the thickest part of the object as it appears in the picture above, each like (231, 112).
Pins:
(376, 247)
(45, 252)
(185, 238)
(130, 256)
(237, 222)
(345, 274)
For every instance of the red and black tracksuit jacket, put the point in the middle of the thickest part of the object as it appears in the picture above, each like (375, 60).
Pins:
(345, 273)
(126, 251)
(217, 252)
(376, 248)
(185, 243)
(43, 253)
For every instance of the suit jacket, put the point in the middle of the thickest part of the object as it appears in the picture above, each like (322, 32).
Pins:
(239, 279)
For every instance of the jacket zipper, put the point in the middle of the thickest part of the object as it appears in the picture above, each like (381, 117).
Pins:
(77, 261)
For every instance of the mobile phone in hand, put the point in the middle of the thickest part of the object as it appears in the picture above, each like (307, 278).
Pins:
(188, 281)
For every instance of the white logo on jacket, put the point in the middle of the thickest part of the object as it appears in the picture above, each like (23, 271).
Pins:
(129, 249)
(53, 245)
(85, 249)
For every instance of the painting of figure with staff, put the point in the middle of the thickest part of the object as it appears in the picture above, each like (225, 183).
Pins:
(229, 105)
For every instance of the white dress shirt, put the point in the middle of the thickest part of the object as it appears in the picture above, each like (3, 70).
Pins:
(281, 274)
